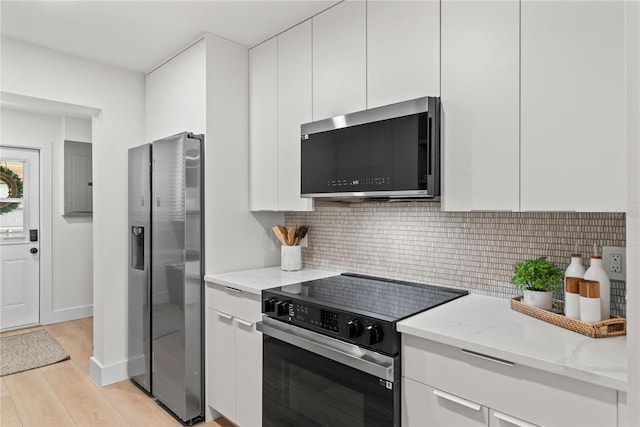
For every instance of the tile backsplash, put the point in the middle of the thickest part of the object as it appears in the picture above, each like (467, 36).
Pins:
(476, 251)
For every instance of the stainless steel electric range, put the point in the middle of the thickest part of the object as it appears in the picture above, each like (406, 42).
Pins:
(332, 352)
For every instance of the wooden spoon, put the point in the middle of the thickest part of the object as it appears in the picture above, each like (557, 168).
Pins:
(279, 235)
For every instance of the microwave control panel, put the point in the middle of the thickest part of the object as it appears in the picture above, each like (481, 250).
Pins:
(369, 181)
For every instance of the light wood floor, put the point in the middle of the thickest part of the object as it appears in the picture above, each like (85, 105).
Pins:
(63, 394)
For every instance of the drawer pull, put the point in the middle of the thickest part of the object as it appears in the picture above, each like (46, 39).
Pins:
(224, 315)
(513, 420)
(489, 358)
(244, 322)
(458, 400)
(229, 288)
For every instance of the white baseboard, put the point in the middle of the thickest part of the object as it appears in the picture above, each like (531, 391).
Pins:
(106, 375)
(64, 315)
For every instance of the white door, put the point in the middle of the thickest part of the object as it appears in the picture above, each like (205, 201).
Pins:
(19, 238)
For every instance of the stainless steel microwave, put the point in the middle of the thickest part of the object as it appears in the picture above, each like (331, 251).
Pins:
(385, 152)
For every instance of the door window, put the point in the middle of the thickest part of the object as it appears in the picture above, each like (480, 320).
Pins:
(12, 209)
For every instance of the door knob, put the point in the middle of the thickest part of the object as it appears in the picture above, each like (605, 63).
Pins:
(34, 250)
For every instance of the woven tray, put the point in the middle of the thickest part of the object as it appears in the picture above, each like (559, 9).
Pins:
(614, 327)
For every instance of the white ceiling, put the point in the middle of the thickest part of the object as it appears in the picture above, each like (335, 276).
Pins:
(139, 35)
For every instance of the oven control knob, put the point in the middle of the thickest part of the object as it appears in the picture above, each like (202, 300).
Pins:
(354, 329)
(373, 334)
(282, 308)
(269, 305)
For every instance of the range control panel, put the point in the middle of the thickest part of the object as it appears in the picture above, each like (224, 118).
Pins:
(376, 334)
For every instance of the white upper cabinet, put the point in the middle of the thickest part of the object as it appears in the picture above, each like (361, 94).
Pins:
(403, 50)
(280, 101)
(339, 60)
(573, 144)
(480, 105)
(176, 95)
(294, 108)
(263, 126)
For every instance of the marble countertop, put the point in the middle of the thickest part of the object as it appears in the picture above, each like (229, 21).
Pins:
(256, 280)
(488, 325)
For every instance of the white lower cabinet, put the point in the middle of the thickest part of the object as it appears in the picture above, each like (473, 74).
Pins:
(623, 410)
(425, 406)
(234, 355)
(449, 386)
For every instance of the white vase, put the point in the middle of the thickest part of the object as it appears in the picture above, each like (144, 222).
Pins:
(540, 299)
(596, 272)
(291, 258)
(572, 276)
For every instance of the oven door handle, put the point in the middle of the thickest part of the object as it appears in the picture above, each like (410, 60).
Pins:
(351, 355)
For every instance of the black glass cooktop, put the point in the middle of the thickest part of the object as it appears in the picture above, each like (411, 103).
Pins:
(392, 299)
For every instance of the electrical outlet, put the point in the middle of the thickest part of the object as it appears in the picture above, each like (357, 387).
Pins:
(614, 260)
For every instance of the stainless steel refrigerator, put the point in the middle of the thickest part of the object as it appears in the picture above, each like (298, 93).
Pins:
(166, 272)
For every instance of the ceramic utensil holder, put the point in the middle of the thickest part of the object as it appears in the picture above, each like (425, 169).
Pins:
(291, 258)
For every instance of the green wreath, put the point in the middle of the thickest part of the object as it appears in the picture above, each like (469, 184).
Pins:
(14, 183)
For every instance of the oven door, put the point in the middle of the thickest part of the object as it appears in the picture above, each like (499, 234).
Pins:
(313, 380)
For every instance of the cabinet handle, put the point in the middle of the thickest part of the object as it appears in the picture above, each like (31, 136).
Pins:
(458, 400)
(244, 322)
(489, 358)
(229, 288)
(513, 420)
(224, 315)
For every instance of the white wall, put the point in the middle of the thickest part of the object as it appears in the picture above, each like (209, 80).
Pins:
(119, 95)
(72, 236)
(633, 212)
(77, 129)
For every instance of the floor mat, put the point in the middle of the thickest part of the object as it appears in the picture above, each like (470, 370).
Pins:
(29, 351)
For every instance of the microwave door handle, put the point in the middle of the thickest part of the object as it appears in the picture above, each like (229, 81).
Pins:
(330, 348)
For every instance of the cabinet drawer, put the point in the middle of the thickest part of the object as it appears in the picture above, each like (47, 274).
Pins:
(425, 406)
(510, 389)
(243, 305)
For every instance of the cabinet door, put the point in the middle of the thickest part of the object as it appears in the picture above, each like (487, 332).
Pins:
(623, 410)
(221, 375)
(480, 105)
(403, 50)
(176, 95)
(249, 374)
(263, 126)
(426, 406)
(573, 144)
(499, 419)
(294, 108)
(339, 60)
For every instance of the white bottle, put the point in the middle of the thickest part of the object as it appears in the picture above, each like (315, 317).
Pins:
(590, 301)
(572, 277)
(596, 272)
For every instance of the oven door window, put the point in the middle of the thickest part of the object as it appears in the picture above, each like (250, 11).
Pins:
(301, 388)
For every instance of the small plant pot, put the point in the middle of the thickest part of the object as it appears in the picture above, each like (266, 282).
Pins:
(540, 299)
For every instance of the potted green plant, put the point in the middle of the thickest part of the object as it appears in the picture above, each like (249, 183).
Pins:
(538, 278)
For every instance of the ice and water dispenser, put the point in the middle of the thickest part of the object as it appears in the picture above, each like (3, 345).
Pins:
(137, 247)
